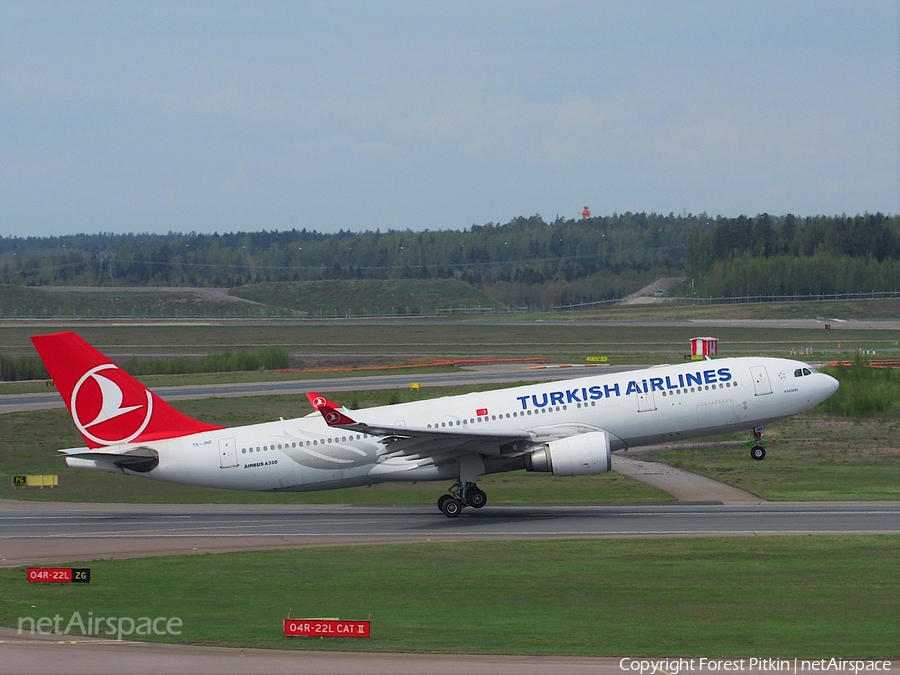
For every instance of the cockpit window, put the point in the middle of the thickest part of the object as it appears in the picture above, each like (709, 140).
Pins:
(798, 372)
(806, 371)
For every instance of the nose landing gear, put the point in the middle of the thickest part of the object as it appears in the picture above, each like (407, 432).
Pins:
(461, 495)
(757, 452)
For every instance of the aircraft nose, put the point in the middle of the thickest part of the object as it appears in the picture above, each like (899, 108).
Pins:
(831, 385)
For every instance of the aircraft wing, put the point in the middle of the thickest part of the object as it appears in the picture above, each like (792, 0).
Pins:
(424, 441)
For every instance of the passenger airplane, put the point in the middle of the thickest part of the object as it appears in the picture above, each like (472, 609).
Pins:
(567, 427)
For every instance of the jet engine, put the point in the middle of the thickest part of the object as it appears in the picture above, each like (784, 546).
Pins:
(581, 455)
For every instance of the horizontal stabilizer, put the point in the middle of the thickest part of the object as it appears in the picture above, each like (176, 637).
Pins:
(141, 460)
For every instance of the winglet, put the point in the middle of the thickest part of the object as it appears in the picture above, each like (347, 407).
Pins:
(333, 417)
(317, 401)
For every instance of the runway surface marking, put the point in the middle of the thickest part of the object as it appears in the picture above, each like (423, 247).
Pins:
(30, 534)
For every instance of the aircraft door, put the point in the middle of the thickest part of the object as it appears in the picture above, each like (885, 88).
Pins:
(227, 453)
(761, 383)
(646, 402)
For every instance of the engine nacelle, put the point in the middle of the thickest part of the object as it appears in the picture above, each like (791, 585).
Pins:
(581, 455)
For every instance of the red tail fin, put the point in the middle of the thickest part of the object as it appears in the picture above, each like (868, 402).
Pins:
(108, 405)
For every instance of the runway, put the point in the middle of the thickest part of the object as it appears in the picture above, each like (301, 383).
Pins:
(33, 533)
(36, 533)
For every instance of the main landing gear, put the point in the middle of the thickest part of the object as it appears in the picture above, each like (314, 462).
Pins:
(757, 452)
(461, 495)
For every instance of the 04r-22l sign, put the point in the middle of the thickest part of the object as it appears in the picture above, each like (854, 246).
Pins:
(59, 575)
(326, 628)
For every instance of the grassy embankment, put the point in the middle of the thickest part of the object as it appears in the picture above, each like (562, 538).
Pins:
(721, 597)
(24, 302)
(374, 297)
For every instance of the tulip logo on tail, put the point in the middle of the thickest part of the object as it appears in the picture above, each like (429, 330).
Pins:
(101, 412)
(332, 417)
(318, 402)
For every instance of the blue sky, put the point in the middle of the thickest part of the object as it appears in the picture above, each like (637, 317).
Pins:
(225, 116)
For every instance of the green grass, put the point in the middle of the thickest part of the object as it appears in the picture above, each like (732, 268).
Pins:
(22, 302)
(811, 457)
(559, 340)
(372, 297)
(804, 597)
(887, 308)
(865, 391)
(362, 297)
(190, 379)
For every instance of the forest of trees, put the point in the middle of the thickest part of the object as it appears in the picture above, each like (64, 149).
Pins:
(788, 255)
(525, 261)
(526, 248)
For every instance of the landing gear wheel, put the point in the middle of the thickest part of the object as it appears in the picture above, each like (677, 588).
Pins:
(442, 499)
(758, 452)
(475, 498)
(451, 506)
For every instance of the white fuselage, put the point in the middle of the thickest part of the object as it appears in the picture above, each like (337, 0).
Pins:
(641, 407)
